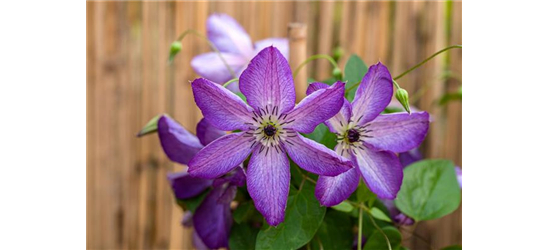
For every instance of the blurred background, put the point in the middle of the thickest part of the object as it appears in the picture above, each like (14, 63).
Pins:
(129, 201)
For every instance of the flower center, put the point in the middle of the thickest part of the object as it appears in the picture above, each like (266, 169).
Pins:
(353, 138)
(269, 130)
(353, 135)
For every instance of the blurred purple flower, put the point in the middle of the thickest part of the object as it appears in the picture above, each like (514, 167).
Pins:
(269, 130)
(235, 46)
(212, 219)
(370, 139)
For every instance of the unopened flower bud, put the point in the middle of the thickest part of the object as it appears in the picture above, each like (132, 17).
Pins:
(174, 49)
(402, 97)
(338, 53)
(337, 74)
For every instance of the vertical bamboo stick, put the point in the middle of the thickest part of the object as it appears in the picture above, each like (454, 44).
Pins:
(323, 67)
(297, 34)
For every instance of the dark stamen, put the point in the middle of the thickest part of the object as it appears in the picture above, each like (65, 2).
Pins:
(269, 130)
(353, 135)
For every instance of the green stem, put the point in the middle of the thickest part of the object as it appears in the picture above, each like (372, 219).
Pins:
(408, 71)
(381, 231)
(214, 48)
(426, 60)
(359, 246)
(229, 82)
(314, 57)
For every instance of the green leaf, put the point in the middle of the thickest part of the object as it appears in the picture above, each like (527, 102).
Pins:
(150, 127)
(336, 232)
(380, 215)
(244, 211)
(456, 96)
(322, 135)
(429, 190)
(456, 247)
(304, 215)
(363, 194)
(378, 242)
(192, 203)
(242, 237)
(355, 69)
(344, 206)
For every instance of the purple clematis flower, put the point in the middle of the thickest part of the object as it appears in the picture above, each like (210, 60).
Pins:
(370, 139)
(212, 219)
(235, 46)
(270, 129)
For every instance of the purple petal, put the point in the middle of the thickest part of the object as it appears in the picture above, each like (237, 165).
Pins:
(373, 94)
(198, 243)
(338, 123)
(178, 143)
(402, 219)
(220, 107)
(331, 191)
(268, 178)
(409, 157)
(207, 133)
(228, 195)
(268, 82)
(459, 176)
(184, 186)
(314, 157)
(228, 36)
(381, 171)
(211, 67)
(398, 132)
(281, 44)
(212, 220)
(316, 108)
(220, 156)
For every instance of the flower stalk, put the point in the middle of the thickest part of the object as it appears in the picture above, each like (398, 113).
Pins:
(315, 57)
(200, 35)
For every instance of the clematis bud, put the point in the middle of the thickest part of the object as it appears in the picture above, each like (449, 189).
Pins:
(338, 53)
(174, 49)
(337, 74)
(402, 97)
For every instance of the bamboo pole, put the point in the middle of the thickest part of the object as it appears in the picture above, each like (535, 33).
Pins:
(297, 35)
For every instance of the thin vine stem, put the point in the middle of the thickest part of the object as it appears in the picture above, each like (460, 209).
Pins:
(312, 58)
(381, 231)
(359, 238)
(426, 60)
(413, 68)
(212, 46)
(229, 82)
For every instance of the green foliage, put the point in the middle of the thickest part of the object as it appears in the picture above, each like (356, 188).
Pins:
(429, 190)
(380, 215)
(150, 127)
(192, 203)
(304, 215)
(245, 212)
(344, 206)
(448, 97)
(322, 135)
(456, 247)
(242, 237)
(355, 69)
(334, 233)
(364, 194)
(378, 241)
